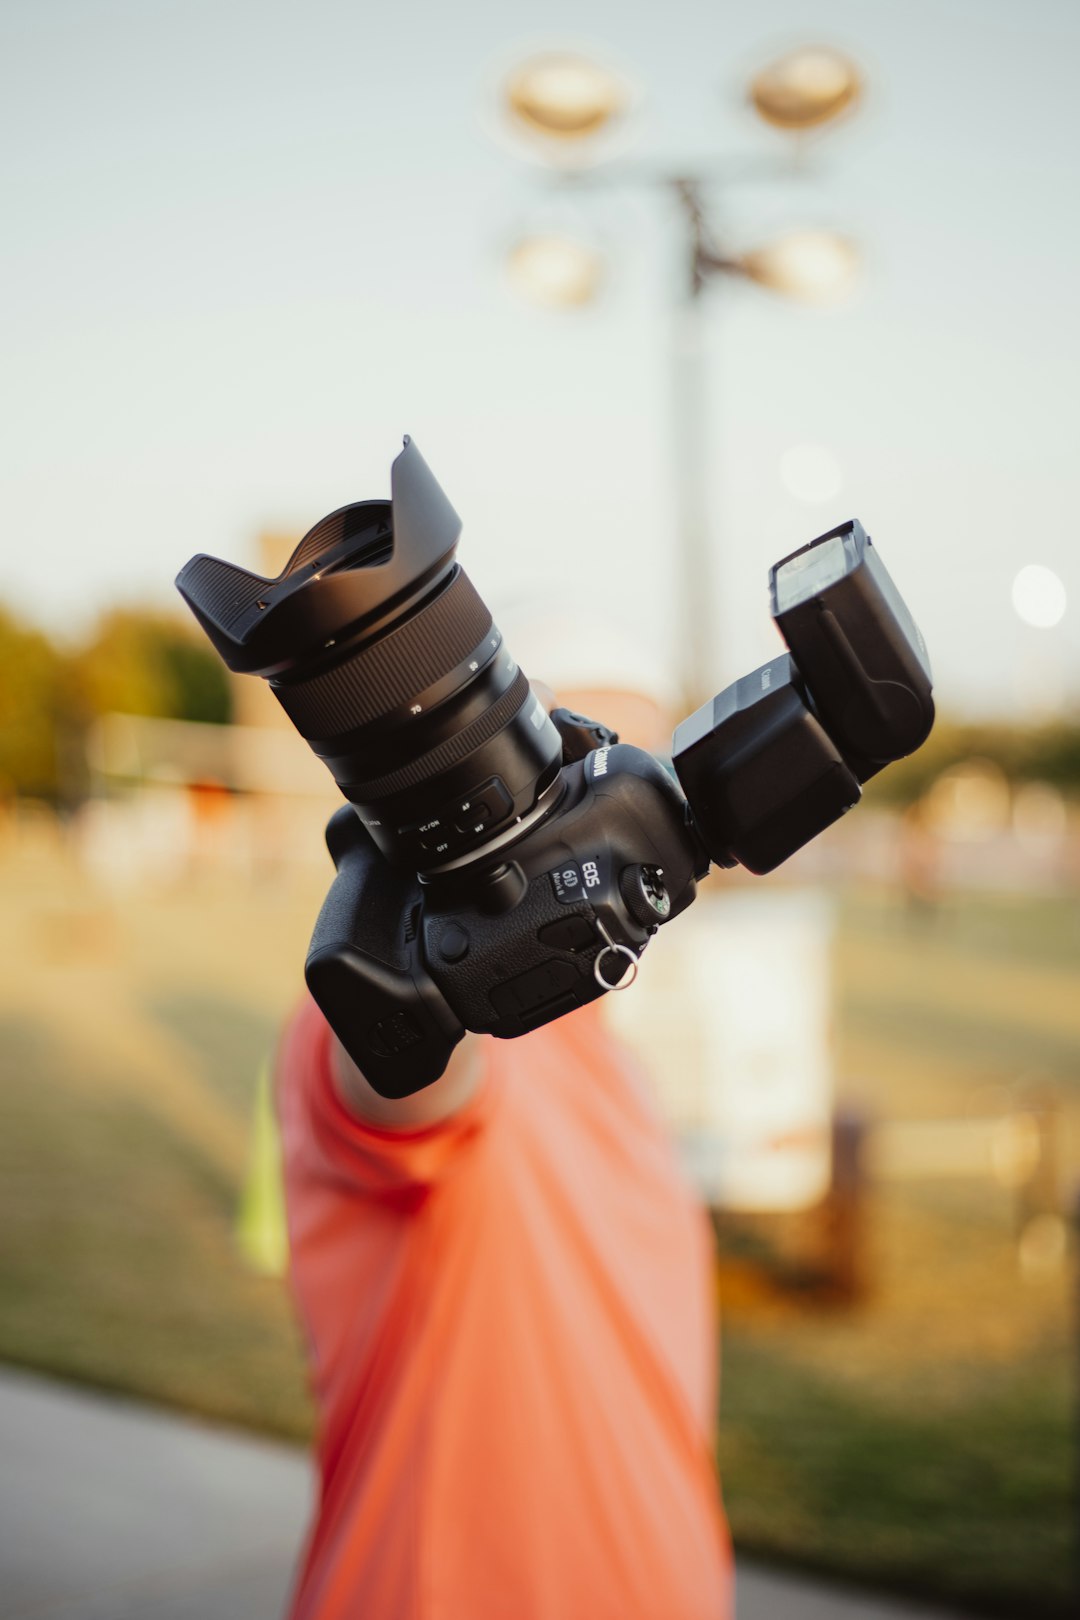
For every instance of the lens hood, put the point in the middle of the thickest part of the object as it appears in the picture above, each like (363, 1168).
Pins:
(358, 567)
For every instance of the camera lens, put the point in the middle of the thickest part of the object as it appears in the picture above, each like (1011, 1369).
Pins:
(387, 662)
(430, 728)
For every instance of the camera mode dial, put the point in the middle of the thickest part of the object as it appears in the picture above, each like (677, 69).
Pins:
(645, 894)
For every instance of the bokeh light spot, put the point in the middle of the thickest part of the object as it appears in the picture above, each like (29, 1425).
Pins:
(1038, 596)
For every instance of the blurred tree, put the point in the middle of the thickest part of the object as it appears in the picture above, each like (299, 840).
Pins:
(136, 662)
(141, 662)
(1052, 754)
(32, 690)
(1046, 753)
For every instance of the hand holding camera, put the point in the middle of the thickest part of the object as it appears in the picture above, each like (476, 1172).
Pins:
(498, 866)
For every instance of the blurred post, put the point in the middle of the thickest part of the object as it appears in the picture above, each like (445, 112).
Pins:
(690, 444)
(563, 105)
(1039, 1192)
(845, 1211)
(1042, 1228)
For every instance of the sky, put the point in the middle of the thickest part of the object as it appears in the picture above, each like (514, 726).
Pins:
(250, 246)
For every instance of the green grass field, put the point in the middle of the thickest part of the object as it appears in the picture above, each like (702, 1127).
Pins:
(922, 1440)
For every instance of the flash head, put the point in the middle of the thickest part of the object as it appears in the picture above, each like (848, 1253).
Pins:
(856, 646)
(777, 757)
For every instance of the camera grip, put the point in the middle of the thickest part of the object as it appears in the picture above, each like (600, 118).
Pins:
(366, 971)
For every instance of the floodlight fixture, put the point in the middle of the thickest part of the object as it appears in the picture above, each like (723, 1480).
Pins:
(565, 100)
(813, 266)
(806, 89)
(559, 272)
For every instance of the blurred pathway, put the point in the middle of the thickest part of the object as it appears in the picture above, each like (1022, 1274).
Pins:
(112, 1511)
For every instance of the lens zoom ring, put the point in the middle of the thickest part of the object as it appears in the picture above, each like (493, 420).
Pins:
(380, 678)
(449, 753)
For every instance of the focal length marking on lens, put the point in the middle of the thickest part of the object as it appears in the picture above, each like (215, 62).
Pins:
(451, 682)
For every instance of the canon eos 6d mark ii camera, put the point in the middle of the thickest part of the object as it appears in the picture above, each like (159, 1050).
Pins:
(497, 866)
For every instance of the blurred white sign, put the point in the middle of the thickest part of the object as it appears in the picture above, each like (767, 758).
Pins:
(731, 1016)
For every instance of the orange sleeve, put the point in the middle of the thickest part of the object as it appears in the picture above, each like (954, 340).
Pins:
(325, 1142)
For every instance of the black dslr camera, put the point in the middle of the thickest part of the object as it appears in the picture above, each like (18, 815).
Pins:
(497, 866)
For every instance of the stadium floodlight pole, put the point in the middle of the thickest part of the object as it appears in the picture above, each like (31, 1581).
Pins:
(564, 106)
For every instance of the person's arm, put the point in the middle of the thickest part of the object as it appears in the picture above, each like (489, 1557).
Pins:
(451, 1091)
(454, 1087)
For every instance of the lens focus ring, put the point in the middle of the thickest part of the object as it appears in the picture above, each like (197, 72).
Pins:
(379, 678)
(449, 753)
